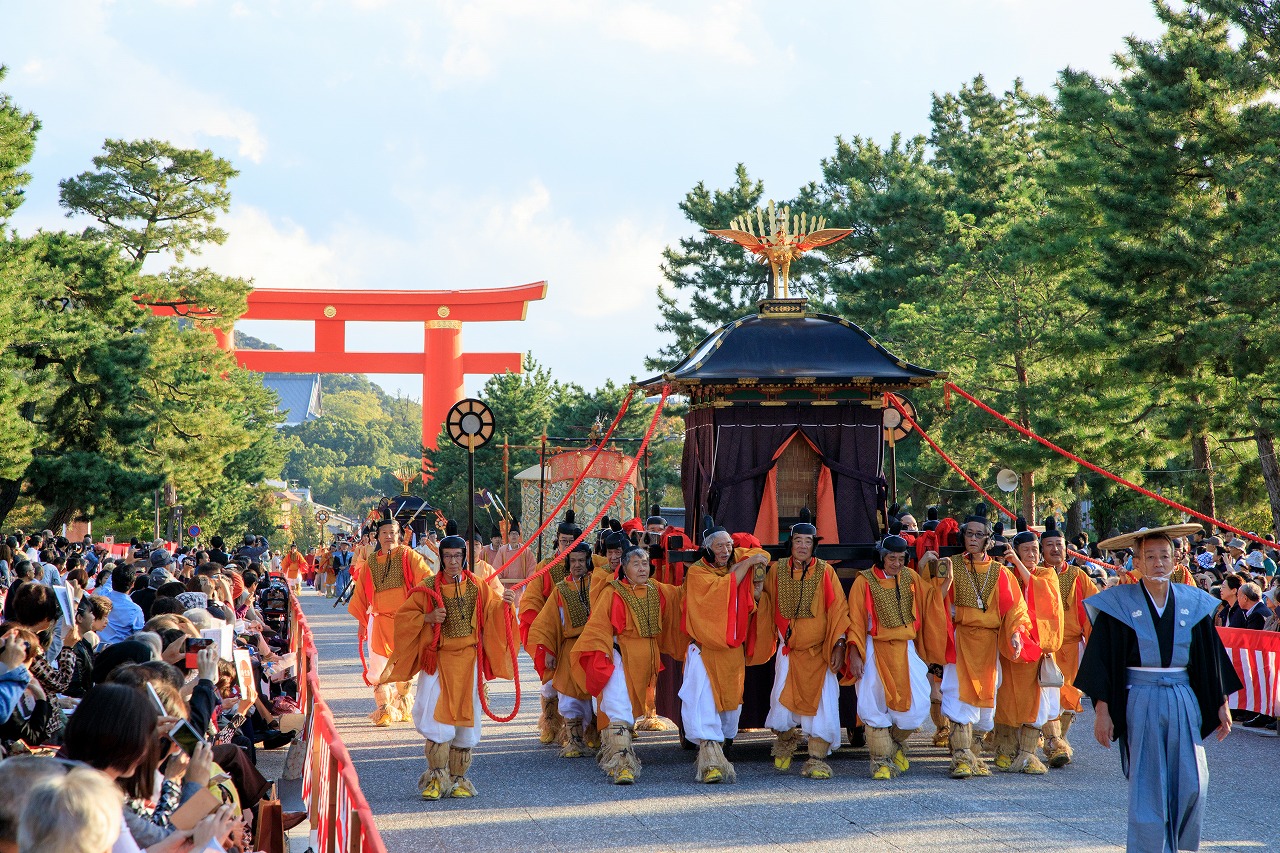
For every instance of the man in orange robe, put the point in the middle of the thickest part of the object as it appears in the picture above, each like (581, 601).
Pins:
(634, 620)
(293, 564)
(886, 604)
(720, 594)
(1074, 586)
(536, 593)
(476, 633)
(972, 615)
(803, 613)
(380, 586)
(1023, 705)
(552, 637)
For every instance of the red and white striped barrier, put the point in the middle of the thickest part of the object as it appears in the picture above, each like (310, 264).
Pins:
(1256, 657)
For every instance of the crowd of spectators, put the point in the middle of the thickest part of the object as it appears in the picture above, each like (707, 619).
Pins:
(135, 693)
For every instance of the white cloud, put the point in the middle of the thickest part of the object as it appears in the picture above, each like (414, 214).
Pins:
(131, 96)
(462, 41)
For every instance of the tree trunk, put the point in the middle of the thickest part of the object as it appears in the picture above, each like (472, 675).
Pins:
(1270, 473)
(61, 516)
(1205, 500)
(1029, 497)
(1075, 512)
(9, 491)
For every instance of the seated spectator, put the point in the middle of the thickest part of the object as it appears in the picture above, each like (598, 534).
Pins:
(73, 812)
(110, 657)
(142, 593)
(34, 606)
(91, 616)
(36, 724)
(1252, 612)
(126, 616)
(1228, 592)
(18, 776)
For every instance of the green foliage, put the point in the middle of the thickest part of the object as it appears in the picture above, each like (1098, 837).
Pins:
(1101, 268)
(150, 196)
(348, 456)
(102, 401)
(17, 143)
(714, 282)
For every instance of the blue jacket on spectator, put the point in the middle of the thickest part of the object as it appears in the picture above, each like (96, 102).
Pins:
(126, 618)
(12, 683)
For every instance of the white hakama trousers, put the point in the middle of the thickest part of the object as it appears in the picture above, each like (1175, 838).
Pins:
(615, 701)
(424, 720)
(574, 709)
(982, 719)
(874, 708)
(698, 704)
(824, 724)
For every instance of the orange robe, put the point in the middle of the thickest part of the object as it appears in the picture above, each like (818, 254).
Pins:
(612, 623)
(813, 635)
(383, 604)
(1075, 631)
(1180, 574)
(293, 564)
(493, 634)
(1018, 700)
(973, 638)
(553, 633)
(537, 591)
(717, 613)
(892, 665)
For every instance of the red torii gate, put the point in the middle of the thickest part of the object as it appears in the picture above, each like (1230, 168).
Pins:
(442, 363)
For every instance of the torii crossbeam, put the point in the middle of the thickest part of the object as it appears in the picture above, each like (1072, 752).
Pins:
(442, 363)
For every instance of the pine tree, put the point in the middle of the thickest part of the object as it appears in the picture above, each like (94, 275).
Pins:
(1174, 154)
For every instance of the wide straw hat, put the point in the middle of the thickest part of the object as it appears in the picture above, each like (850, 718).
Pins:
(1128, 540)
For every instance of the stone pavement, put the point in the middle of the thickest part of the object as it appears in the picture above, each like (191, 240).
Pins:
(532, 799)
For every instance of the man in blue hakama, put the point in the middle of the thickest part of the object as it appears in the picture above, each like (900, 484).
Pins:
(1159, 679)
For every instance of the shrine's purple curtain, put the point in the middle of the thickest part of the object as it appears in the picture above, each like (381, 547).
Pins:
(728, 453)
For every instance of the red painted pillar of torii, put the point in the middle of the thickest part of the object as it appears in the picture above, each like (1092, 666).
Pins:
(442, 363)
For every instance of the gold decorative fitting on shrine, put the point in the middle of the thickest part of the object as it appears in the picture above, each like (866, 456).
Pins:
(444, 324)
(330, 311)
(747, 380)
(805, 380)
(775, 308)
(442, 311)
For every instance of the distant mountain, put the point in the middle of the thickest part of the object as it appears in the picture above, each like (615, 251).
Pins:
(243, 341)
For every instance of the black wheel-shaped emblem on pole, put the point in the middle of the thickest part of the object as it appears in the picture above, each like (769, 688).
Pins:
(470, 423)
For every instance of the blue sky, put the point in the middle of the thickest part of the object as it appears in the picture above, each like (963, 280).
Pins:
(497, 142)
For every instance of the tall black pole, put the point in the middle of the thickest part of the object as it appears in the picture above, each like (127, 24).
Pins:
(893, 473)
(471, 502)
(542, 488)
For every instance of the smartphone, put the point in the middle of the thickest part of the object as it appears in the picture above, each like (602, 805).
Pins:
(194, 645)
(185, 736)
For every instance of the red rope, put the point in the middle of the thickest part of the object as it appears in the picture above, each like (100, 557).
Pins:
(893, 400)
(511, 643)
(1121, 480)
(622, 483)
(555, 511)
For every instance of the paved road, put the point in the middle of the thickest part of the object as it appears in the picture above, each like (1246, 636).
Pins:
(532, 799)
